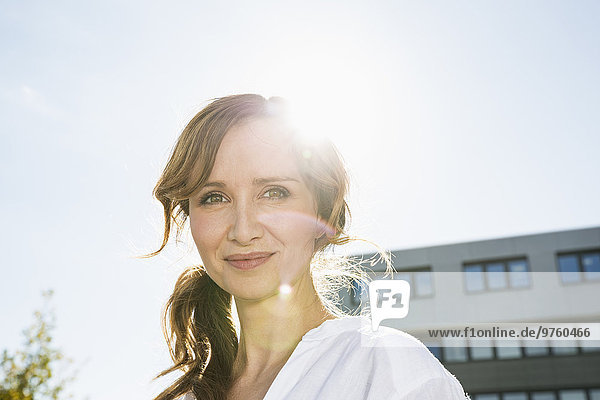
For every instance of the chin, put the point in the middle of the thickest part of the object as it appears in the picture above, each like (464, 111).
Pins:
(255, 292)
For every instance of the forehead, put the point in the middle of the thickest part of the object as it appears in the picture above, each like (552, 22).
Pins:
(255, 148)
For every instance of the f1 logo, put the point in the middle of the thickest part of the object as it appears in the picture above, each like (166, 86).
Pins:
(389, 300)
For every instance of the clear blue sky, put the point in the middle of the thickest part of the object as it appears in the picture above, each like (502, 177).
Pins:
(460, 120)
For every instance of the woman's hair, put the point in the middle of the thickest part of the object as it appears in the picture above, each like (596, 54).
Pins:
(197, 321)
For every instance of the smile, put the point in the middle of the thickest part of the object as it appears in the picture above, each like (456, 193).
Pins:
(249, 260)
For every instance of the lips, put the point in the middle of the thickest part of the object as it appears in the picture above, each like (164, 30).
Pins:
(249, 260)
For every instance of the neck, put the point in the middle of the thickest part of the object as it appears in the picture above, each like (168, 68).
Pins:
(271, 328)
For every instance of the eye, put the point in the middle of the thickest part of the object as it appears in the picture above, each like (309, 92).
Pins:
(276, 193)
(212, 198)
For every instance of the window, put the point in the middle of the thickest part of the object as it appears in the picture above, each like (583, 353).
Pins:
(518, 274)
(506, 349)
(538, 348)
(514, 396)
(569, 268)
(572, 394)
(591, 266)
(482, 353)
(579, 266)
(497, 275)
(420, 280)
(454, 353)
(483, 349)
(563, 347)
(423, 283)
(594, 394)
(588, 346)
(474, 278)
(488, 396)
(536, 351)
(543, 396)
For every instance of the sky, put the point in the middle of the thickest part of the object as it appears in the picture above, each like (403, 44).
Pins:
(458, 121)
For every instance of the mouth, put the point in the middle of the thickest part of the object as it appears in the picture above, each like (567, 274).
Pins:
(249, 260)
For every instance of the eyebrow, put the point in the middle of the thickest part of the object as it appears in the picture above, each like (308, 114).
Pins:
(256, 181)
(262, 181)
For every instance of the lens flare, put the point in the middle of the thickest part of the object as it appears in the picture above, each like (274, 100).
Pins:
(285, 290)
(299, 219)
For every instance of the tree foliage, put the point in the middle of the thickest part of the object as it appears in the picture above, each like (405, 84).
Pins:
(31, 373)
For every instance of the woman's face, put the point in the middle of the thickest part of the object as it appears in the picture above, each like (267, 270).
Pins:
(255, 221)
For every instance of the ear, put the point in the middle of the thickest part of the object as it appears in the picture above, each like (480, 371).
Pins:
(321, 228)
(323, 234)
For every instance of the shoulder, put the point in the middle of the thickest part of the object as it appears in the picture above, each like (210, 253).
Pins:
(412, 365)
(357, 332)
(396, 346)
(395, 360)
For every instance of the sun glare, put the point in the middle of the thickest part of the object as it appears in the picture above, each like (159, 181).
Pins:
(330, 94)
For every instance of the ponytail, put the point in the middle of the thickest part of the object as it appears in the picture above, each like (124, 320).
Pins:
(200, 332)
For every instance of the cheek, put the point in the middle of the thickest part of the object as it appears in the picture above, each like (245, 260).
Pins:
(293, 229)
(205, 233)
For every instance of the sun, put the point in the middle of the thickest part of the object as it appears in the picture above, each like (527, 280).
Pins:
(330, 94)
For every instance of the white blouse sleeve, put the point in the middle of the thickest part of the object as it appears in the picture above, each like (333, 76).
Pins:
(403, 368)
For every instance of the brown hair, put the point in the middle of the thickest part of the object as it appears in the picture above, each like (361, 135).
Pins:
(197, 321)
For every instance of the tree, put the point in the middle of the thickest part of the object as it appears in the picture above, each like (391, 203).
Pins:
(31, 373)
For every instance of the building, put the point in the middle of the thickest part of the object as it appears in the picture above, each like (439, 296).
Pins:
(535, 279)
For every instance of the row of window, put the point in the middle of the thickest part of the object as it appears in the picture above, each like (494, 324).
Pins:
(480, 353)
(564, 394)
(497, 275)
(500, 275)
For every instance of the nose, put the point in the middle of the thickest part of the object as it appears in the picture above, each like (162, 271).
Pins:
(245, 226)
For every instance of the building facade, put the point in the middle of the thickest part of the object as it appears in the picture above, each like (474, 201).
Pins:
(537, 280)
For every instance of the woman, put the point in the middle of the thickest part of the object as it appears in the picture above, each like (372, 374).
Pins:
(263, 207)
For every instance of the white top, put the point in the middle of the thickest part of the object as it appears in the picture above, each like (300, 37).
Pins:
(344, 359)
